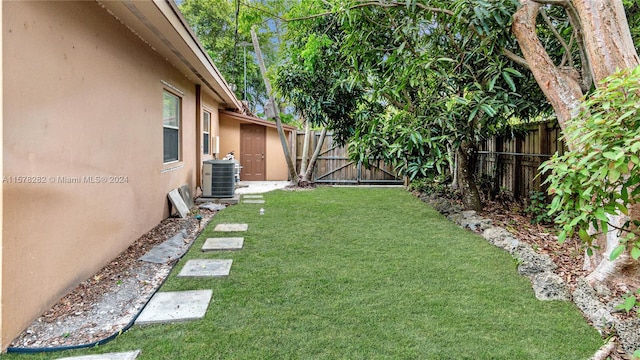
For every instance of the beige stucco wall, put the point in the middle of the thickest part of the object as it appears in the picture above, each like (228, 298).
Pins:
(229, 136)
(276, 161)
(276, 165)
(82, 97)
(1, 166)
(211, 106)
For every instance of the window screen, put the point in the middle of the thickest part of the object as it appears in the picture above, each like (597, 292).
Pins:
(171, 127)
(206, 132)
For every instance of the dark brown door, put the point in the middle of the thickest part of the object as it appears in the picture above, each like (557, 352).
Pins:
(252, 152)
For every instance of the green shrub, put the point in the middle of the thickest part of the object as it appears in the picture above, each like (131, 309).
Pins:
(538, 208)
(431, 186)
(600, 177)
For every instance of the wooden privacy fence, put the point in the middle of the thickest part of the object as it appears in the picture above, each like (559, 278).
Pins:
(334, 167)
(511, 164)
(505, 164)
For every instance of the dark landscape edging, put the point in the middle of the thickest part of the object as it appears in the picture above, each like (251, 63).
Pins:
(35, 350)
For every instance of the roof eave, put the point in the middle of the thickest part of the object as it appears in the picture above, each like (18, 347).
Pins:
(160, 24)
(255, 120)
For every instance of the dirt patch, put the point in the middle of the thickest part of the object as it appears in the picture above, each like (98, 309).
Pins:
(301, 186)
(108, 302)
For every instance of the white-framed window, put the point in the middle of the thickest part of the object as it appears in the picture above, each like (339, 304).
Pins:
(171, 126)
(206, 132)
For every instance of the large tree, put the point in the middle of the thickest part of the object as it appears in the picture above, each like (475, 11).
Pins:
(223, 28)
(604, 44)
(435, 79)
(603, 40)
(569, 46)
(311, 76)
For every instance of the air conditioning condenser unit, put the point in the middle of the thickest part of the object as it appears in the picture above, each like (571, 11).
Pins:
(218, 178)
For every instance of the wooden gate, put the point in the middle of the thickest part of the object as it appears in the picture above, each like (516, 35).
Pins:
(334, 167)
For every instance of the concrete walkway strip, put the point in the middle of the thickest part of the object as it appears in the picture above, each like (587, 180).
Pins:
(250, 196)
(206, 268)
(220, 244)
(177, 306)
(253, 201)
(130, 355)
(231, 227)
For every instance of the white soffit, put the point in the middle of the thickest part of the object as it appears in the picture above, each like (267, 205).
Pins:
(160, 24)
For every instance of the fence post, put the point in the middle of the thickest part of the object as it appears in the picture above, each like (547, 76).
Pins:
(499, 166)
(543, 148)
(517, 165)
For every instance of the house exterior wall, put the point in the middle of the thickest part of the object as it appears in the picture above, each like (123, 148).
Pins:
(82, 102)
(276, 162)
(229, 136)
(276, 165)
(211, 106)
(207, 104)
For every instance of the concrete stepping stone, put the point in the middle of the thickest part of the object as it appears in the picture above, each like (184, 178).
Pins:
(231, 227)
(217, 244)
(248, 196)
(178, 203)
(185, 192)
(206, 268)
(253, 201)
(130, 355)
(175, 306)
(167, 251)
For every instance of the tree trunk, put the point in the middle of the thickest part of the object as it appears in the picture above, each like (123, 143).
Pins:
(607, 37)
(608, 45)
(466, 184)
(271, 106)
(453, 166)
(602, 269)
(306, 176)
(305, 147)
(561, 88)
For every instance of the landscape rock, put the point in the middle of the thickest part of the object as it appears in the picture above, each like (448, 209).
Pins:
(477, 224)
(530, 262)
(628, 334)
(602, 289)
(501, 238)
(586, 299)
(469, 220)
(169, 250)
(441, 205)
(549, 286)
(468, 213)
(212, 207)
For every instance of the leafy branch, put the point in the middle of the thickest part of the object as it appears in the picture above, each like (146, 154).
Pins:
(599, 179)
(382, 4)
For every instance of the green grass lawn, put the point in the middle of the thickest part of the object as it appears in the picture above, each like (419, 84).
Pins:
(360, 273)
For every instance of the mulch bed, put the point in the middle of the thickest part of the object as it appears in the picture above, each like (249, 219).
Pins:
(77, 319)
